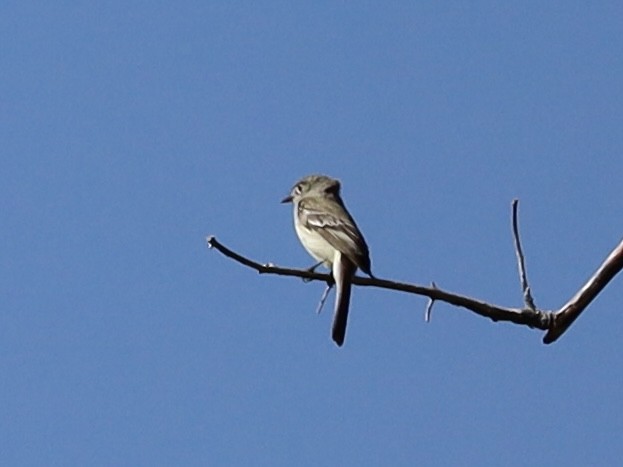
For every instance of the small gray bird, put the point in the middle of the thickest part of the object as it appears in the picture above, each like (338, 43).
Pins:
(331, 236)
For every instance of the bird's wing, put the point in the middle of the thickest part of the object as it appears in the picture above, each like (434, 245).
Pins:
(331, 220)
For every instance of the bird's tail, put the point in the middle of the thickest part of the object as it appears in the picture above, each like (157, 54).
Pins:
(343, 271)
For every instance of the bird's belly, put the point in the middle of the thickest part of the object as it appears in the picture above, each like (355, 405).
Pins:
(316, 245)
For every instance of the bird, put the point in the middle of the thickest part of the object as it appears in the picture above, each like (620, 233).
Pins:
(330, 235)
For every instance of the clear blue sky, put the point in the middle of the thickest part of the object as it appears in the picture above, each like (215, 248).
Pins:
(131, 130)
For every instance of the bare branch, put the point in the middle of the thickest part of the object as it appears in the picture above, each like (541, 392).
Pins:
(523, 277)
(569, 312)
(532, 318)
(555, 323)
(266, 268)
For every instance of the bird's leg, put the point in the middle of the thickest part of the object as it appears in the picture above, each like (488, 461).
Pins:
(311, 269)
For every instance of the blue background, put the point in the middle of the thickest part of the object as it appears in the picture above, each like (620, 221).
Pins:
(131, 130)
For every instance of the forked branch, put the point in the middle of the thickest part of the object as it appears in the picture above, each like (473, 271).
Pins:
(496, 313)
(554, 322)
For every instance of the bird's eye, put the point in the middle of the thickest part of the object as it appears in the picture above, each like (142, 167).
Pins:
(298, 189)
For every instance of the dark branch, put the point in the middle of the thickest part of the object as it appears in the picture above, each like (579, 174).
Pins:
(268, 268)
(532, 318)
(555, 323)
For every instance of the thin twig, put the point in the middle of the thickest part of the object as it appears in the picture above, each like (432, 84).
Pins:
(429, 306)
(323, 299)
(527, 294)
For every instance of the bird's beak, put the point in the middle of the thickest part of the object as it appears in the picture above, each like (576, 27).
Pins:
(287, 199)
